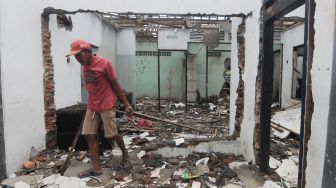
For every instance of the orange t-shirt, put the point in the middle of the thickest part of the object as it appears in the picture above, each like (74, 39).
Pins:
(97, 78)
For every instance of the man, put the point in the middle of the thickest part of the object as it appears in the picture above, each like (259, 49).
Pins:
(103, 88)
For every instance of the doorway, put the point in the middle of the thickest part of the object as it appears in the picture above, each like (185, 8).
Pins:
(298, 53)
(277, 75)
(274, 11)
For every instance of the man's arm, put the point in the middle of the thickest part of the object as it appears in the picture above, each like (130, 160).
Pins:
(120, 93)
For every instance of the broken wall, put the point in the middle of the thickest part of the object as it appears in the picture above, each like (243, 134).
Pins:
(21, 60)
(249, 78)
(234, 73)
(67, 76)
(324, 38)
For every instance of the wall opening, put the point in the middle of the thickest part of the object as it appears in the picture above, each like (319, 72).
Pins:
(273, 16)
(298, 53)
(217, 58)
(277, 76)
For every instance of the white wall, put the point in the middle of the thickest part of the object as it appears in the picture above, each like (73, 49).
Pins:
(321, 81)
(68, 75)
(289, 38)
(234, 73)
(126, 60)
(22, 71)
(249, 77)
(173, 39)
(300, 12)
(22, 81)
(108, 43)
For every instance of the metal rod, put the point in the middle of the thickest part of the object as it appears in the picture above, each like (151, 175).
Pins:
(281, 8)
(305, 91)
(241, 15)
(266, 95)
(158, 56)
(186, 81)
(206, 73)
(137, 114)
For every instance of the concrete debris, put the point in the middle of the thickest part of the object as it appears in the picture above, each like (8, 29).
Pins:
(289, 119)
(155, 173)
(81, 155)
(144, 135)
(152, 169)
(249, 177)
(165, 176)
(285, 146)
(179, 141)
(212, 106)
(295, 159)
(21, 185)
(237, 164)
(232, 186)
(141, 154)
(282, 135)
(28, 179)
(179, 105)
(288, 171)
(201, 170)
(273, 163)
(204, 161)
(196, 184)
(143, 139)
(271, 184)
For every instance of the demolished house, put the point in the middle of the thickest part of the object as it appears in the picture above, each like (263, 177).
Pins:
(225, 93)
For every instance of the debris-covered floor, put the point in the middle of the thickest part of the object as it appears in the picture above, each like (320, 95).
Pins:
(150, 166)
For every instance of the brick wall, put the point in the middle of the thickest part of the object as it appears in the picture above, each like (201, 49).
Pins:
(48, 82)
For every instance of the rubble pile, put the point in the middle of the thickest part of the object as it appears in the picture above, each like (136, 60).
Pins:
(154, 170)
(211, 117)
(147, 167)
(284, 145)
(46, 162)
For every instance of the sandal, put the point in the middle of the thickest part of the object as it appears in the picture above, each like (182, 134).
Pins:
(88, 173)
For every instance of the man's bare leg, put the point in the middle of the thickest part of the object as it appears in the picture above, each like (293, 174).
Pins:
(94, 150)
(119, 140)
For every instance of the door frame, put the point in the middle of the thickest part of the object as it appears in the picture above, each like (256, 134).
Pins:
(271, 11)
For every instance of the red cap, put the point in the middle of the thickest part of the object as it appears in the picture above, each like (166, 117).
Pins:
(77, 46)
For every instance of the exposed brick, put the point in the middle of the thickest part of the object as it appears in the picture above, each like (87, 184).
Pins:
(48, 79)
(241, 87)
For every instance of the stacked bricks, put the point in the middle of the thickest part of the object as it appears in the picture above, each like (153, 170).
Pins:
(48, 78)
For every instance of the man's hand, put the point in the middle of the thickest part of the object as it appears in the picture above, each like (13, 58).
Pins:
(129, 108)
